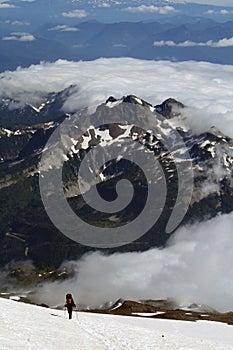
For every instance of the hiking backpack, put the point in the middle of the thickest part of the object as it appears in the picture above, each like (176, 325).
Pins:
(69, 299)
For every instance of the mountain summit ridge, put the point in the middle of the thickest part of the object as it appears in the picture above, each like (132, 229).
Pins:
(23, 214)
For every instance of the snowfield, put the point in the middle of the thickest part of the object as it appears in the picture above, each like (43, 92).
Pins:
(25, 326)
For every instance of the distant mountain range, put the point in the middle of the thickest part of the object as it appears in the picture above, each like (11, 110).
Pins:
(26, 232)
(42, 11)
(84, 30)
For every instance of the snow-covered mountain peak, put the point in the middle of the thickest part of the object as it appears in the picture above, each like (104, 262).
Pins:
(112, 101)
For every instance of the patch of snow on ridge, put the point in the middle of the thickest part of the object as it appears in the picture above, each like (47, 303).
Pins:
(113, 104)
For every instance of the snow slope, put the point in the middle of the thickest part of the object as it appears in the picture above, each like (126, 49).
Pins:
(25, 326)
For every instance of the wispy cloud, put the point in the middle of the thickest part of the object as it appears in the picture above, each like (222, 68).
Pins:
(162, 10)
(17, 23)
(19, 36)
(75, 14)
(221, 43)
(64, 28)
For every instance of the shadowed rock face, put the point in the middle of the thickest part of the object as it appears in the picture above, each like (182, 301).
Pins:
(25, 230)
(170, 108)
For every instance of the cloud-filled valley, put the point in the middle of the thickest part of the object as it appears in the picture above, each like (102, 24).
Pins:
(204, 87)
(195, 266)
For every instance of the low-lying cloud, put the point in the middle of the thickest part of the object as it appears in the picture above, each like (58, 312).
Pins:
(196, 266)
(226, 42)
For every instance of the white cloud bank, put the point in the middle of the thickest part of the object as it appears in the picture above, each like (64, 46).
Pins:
(196, 266)
(162, 10)
(226, 42)
(206, 88)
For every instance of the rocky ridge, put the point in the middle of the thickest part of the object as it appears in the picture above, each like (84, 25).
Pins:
(26, 231)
